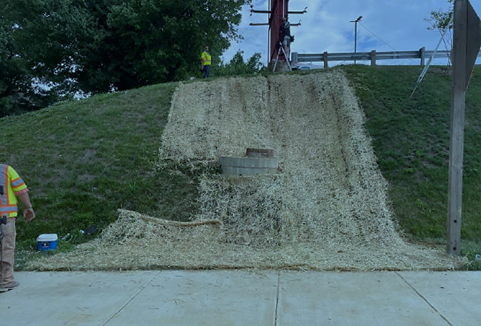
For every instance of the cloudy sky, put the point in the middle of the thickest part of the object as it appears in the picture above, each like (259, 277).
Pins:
(387, 25)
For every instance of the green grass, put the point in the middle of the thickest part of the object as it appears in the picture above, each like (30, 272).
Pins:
(411, 141)
(83, 160)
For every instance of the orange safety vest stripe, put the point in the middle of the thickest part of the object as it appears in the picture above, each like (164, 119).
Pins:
(4, 184)
(17, 184)
(9, 209)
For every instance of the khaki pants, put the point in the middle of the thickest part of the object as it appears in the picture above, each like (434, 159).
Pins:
(8, 252)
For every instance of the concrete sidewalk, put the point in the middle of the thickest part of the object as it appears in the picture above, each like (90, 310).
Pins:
(243, 298)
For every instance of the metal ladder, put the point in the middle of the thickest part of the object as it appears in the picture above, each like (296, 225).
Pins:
(281, 48)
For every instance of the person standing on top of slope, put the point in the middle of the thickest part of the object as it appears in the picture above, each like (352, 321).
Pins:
(205, 62)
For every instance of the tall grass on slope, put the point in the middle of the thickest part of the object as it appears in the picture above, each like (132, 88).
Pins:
(412, 144)
(84, 160)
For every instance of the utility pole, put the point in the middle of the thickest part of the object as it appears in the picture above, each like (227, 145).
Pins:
(355, 35)
(276, 10)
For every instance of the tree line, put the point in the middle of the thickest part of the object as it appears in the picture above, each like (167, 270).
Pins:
(53, 49)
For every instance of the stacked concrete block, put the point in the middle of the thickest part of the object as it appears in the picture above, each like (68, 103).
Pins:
(257, 161)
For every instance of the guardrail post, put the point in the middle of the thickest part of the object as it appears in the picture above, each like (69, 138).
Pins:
(326, 60)
(373, 57)
(422, 54)
(295, 57)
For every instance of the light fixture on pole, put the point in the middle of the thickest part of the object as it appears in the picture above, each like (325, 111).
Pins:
(355, 35)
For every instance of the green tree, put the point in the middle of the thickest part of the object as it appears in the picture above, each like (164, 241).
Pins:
(30, 45)
(12, 74)
(103, 45)
(440, 19)
(237, 65)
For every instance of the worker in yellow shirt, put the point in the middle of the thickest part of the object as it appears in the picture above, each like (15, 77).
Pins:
(205, 62)
(11, 188)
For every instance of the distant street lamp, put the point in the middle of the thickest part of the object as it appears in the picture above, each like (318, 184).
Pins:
(355, 35)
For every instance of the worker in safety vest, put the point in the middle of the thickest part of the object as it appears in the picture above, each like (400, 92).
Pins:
(205, 62)
(12, 188)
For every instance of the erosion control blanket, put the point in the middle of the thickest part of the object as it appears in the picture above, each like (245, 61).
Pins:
(326, 209)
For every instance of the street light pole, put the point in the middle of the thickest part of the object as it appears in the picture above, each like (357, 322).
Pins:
(355, 35)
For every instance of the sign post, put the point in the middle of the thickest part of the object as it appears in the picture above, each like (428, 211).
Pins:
(467, 41)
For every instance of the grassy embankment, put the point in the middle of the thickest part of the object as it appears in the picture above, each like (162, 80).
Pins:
(411, 141)
(84, 160)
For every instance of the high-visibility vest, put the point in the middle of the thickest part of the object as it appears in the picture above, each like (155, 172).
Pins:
(11, 185)
(206, 58)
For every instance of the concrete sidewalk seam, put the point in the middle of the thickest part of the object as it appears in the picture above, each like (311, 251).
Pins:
(130, 300)
(422, 297)
(277, 297)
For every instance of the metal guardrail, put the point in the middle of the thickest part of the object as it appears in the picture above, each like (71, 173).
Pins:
(372, 56)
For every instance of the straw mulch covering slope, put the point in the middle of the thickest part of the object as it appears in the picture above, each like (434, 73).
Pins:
(327, 210)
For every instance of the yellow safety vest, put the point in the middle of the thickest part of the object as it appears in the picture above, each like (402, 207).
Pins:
(206, 58)
(11, 185)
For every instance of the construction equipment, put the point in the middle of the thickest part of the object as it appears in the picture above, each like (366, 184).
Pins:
(281, 48)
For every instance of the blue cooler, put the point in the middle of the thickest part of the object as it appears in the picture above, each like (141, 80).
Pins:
(47, 242)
